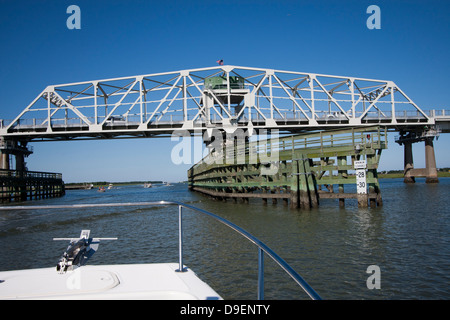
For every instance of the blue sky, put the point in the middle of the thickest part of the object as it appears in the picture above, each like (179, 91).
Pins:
(126, 38)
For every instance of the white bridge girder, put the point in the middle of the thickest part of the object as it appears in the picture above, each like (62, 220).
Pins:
(247, 98)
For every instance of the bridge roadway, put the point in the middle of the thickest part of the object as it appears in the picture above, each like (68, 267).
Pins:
(222, 97)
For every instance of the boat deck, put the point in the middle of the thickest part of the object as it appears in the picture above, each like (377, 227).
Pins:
(158, 281)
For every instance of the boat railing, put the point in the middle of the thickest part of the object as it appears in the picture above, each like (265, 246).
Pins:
(263, 249)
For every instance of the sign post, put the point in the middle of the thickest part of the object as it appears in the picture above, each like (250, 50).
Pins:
(361, 184)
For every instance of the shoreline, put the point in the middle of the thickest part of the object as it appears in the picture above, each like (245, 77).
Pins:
(102, 183)
(400, 175)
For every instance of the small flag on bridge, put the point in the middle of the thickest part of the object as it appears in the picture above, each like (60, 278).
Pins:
(220, 62)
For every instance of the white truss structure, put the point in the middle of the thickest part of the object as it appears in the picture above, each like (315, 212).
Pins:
(222, 97)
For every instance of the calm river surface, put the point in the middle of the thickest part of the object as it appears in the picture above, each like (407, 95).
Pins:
(408, 239)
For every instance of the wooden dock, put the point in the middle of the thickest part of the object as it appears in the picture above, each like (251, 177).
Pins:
(28, 185)
(308, 168)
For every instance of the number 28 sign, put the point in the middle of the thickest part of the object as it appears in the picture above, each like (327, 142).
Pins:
(360, 167)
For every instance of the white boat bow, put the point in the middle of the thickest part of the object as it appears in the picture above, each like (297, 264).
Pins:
(73, 279)
(158, 281)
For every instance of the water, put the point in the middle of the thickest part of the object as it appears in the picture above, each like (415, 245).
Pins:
(408, 238)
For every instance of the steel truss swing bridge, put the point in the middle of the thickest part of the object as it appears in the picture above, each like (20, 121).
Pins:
(223, 97)
(228, 99)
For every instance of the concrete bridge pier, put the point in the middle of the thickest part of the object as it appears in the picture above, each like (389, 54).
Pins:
(430, 170)
(4, 154)
(20, 150)
(4, 161)
(409, 164)
(430, 162)
(16, 148)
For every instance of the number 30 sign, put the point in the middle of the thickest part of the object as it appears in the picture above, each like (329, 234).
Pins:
(361, 185)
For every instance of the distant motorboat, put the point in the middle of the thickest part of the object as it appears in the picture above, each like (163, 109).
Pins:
(110, 186)
(147, 185)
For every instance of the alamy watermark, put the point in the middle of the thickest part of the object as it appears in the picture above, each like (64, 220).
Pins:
(226, 148)
(374, 280)
(374, 20)
(74, 20)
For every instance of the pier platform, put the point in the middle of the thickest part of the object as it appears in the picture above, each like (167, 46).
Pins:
(28, 185)
(298, 169)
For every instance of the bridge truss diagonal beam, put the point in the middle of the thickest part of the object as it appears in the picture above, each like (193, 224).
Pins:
(245, 97)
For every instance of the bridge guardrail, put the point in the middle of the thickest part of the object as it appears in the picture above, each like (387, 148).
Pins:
(30, 174)
(262, 247)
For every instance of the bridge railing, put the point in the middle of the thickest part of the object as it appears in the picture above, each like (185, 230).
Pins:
(264, 151)
(263, 249)
(30, 174)
(177, 119)
(439, 113)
